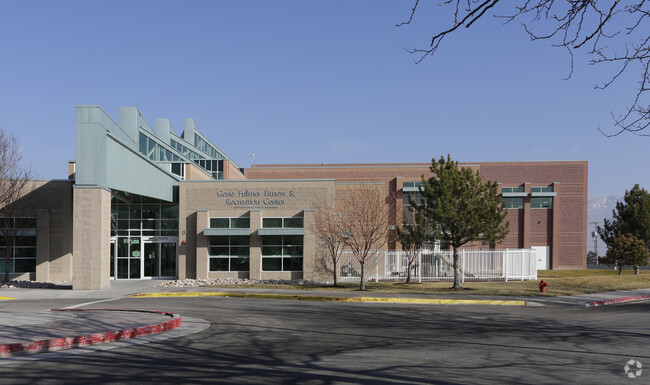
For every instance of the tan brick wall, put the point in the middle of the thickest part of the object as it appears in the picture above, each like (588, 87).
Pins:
(230, 172)
(91, 246)
(201, 200)
(51, 203)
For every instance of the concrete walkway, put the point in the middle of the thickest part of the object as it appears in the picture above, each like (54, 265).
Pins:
(28, 328)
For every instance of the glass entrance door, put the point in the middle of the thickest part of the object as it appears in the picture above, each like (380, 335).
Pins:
(137, 258)
(128, 261)
(159, 259)
(151, 259)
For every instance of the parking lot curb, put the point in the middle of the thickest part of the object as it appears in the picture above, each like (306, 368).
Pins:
(435, 301)
(64, 343)
(617, 300)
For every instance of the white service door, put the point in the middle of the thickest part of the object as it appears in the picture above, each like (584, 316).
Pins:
(543, 257)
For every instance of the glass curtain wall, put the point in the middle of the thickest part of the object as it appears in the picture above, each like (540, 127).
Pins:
(144, 234)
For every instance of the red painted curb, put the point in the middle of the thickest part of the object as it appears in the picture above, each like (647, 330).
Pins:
(616, 300)
(96, 338)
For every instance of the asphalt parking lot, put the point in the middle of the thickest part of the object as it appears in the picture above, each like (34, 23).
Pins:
(302, 342)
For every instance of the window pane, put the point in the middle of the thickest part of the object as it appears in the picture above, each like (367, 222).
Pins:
(239, 264)
(219, 250)
(169, 224)
(271, 250)
(272, 240)
(26, 265)
(176, 169)
(151, 211)
(25, 252)
(292, 264)
(218, 264)
(271, 264)
(218, 223)
(293, 222)
(26, 223)
(143, 144)
(240, 240)
(239, 251)
(240, 223)
(170, 212)
(272, 222)
(294, 251)
(151, 150)
(26, 241)
(149, 224)
(136, 211)
(293, 240)
(219, 241)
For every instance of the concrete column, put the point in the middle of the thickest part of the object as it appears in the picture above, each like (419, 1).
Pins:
(91, 244)
(42, 245)
(202, 259)
(256, 245)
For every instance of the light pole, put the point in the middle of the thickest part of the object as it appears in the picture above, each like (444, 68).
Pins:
(594, 235)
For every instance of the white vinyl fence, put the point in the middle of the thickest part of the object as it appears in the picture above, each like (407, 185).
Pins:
(437, 265)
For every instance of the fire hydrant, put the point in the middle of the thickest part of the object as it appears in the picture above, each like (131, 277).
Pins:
(542, 286)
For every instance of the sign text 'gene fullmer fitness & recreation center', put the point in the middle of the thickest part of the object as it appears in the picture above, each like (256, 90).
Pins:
(247, 198)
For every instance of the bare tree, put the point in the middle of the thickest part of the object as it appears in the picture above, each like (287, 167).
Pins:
(364, 225)
(14, 178)
(614, 32)
(412, 235)
(327, 227)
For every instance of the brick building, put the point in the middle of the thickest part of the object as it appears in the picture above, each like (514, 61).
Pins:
(144, 202)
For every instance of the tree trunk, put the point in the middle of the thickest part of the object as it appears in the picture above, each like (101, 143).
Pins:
(335, 273)
(362, 285)
(457, 284)
(408, 271)
(620, 269)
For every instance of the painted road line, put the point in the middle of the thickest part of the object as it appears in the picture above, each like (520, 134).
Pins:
(6, 298)
(434, 301)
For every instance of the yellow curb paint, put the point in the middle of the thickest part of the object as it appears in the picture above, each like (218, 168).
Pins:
(6, 298)
(337, 299)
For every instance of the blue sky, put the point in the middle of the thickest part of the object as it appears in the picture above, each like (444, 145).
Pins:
(309, 82)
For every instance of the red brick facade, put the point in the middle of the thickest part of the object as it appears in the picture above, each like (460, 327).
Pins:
(562, 228)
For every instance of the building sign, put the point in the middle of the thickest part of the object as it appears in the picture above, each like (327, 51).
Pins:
(266, 199)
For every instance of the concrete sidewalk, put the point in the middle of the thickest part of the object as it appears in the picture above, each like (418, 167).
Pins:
(29, 327)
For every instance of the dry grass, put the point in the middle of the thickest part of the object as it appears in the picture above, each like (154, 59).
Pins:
(560, 282)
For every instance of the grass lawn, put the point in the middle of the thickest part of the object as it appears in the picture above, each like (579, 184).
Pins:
(560, 282)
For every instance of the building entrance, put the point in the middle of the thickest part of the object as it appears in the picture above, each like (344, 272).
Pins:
(143, 257)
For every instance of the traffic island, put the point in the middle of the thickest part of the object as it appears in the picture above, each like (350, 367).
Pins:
(36, 344)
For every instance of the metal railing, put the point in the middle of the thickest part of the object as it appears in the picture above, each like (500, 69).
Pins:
(437, 265)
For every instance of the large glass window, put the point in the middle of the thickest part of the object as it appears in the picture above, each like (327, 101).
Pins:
(23, 251)
(143, 219)
(541, 202)
(282, 252)
(278, 223)
(230, 223)
(513, 202)
(512, 189)
(229, 253)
